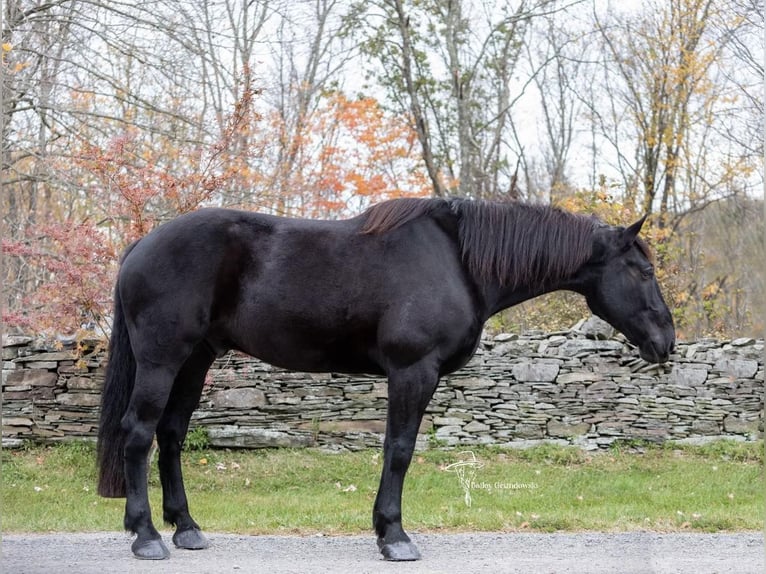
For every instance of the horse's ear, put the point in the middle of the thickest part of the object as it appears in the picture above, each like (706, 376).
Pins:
(631, 233)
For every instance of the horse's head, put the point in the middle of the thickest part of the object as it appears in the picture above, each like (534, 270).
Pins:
(620, 287)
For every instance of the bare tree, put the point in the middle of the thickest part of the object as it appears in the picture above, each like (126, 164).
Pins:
(453, 67)
(665, 94)
(77, 71)
(310, 53)
(558, 54)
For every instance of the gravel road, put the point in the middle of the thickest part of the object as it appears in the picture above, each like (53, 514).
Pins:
(477, 553)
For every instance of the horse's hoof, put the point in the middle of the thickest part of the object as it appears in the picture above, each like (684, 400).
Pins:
(191, 539)
(400, 551)
(150, 549)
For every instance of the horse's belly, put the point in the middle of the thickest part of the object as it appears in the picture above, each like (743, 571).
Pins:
(311, 353)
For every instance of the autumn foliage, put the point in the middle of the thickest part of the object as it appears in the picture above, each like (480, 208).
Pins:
(349, 155)
(75, 263)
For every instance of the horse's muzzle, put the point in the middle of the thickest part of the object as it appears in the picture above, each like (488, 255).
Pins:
(657, 350)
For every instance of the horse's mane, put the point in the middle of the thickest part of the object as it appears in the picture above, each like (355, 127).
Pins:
(389, 215)
(523, 244)
(510, 242)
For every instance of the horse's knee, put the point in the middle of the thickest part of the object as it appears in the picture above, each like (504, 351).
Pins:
(400, 452)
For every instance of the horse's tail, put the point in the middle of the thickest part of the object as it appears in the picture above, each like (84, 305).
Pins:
(115, 396)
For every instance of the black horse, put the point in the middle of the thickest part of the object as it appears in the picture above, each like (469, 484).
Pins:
(402, 290)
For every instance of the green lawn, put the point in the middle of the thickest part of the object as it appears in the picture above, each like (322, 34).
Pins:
(712, 488)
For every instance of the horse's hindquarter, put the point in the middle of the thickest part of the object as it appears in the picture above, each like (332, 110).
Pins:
(323, 297)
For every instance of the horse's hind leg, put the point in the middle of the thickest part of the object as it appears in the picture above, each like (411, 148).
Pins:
(409, 391)
(171, 433)
(147, 403)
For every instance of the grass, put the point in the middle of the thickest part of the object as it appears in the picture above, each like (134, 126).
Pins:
(718, 487)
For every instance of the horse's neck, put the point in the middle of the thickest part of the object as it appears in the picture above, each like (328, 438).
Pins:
(498, 297)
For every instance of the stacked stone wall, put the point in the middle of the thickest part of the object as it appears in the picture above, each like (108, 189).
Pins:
(516, 391)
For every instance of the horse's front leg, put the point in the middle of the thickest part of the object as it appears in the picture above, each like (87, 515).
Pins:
(409, 391)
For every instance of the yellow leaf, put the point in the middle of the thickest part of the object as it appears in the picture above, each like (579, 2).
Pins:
(7, 47)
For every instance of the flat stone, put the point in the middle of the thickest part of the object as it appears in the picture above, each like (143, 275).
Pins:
(596, 328)
(448, 430)
(544, 406)
(504, 337)
(374, 426)
(556, 340)
(627, 401)
(33, 377)
(675, 402)
(243, 398)
(475, 426)
(705, 427)
(575, 347)
(581, 377)
(537, 371)
(85, 383)
(550, 345)
(53, 357)
(247, 437)
(688, 376)
(524, 430)
(721, 383)
(533, 333)
(567, 430)
(17, 422)
(79, 399)
(737, 368)
(739, 425)
(360, 412)
(448, 421)
(612, 427)
(507, 406)
(515, 348)
(49, 365)
(275, 400)
(321, 392)
(35, 395)
(16, 388)
(472, 382)
(16, 340)
(721, 402)
(600, 387)
(76, 428)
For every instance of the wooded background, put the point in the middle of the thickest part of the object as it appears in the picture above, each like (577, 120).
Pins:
(119, 115)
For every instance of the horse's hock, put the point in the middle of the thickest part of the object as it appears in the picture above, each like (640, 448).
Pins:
(567, 387)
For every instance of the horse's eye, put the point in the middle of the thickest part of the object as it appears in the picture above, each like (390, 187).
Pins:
(647, 272)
